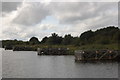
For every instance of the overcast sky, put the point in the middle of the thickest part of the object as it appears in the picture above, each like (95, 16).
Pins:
(23, 20)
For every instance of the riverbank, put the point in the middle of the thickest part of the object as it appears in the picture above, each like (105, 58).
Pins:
(67, 49)
(71, 47)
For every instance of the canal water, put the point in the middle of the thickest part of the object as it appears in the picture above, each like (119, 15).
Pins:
(27, 64)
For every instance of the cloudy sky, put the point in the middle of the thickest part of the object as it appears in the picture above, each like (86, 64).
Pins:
(23, 20)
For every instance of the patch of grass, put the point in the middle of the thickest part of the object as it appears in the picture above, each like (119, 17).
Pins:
(99, 46)
(72, 48)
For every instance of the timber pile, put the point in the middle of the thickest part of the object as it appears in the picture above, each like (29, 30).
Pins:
(23, 48)
(81, 55)
(8, 47)
(52, 51)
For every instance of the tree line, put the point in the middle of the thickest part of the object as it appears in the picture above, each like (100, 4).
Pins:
(108, 35)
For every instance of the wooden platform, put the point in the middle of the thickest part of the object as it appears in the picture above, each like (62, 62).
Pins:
(52, 51)
(81, 55)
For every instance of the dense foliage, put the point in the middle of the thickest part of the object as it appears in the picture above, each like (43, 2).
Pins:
(34, 41)
(108, 35)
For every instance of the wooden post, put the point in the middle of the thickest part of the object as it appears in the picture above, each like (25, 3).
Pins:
(39, 51)
(103, 55)
(110, 54)
(96, 57)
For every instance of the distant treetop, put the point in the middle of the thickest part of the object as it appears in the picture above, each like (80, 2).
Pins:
(34, 40)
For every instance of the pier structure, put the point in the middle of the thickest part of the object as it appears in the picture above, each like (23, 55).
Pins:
(81, 55)
(53, 51)
(8, 47)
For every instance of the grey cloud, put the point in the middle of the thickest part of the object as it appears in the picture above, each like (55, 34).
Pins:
(65, 12)
(70, 13)
(119, 15)
(105, 22)
(10, 6)
(0, 8)
(31, 14)
(79, 16)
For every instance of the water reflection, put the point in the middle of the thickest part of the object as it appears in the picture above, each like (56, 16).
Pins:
(25, 64)
(0, 63)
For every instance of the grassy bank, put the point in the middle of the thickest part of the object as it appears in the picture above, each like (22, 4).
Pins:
(73, 48)
(99, 46)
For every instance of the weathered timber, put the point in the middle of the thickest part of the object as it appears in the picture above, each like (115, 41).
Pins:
(8, 47)
(23, 48)
(81, 55)
(53, 51)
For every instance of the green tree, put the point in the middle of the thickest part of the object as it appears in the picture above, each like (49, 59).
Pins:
(54, 39)
(86, 37)
(67, 40)
(34, 40)
(44, 40)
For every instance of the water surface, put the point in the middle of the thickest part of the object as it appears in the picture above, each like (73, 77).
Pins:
(27, 64)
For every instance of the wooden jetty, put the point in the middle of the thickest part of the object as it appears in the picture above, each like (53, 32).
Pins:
(81, 55)
(23, 48)
(52, 51)
(8, 47)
